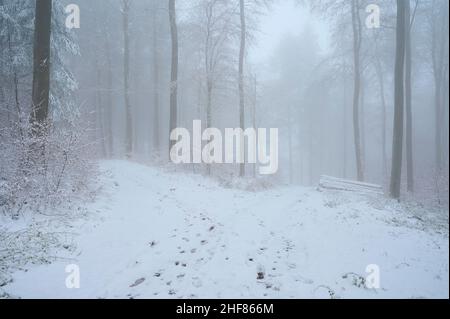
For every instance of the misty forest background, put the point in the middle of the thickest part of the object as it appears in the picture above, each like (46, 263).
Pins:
(372, 107)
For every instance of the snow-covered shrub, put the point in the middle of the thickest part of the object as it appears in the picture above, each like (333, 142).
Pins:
(34, 244)
(39, 173)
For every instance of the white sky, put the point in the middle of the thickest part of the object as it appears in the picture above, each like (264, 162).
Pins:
(284, 18)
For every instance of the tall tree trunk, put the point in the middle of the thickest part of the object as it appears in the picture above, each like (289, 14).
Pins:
(126, 71)
(15, 85)
(209, 91)
(255, 105)
(311, 149)
(100, 114)
(2, 91)
(174, 70)
(439, 44)
(408, 100)
(445, 133)
(2, 103)
(241, 84)
(344, 130)
(41, 65)
(397, 145)
(380, 77)
(291, 164)
(109, 99)
(357, 38)
(156, 80)
(362, 121)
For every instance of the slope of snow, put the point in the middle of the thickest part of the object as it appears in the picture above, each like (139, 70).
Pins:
(154, 234)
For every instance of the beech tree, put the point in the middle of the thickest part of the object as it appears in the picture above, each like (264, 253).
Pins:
(174, 70)
(241, 81)
(397, 145)
(357, 42)
(126, 78)
(156, 75)
(41, 65)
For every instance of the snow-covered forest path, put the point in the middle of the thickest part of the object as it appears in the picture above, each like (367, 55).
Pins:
(155, 234)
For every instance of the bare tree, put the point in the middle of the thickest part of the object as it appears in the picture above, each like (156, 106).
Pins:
(41, 64)
(408, 100)
(357, 41)
(397, 145)
(174, 69)
(109, 99)
(438, 20)
(126, 69)
(380, 78)
(99, 109)
(241, 83)
(156, 77)
(216, 24)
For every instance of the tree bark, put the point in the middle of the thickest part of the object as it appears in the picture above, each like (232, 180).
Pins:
(16, 86)
(362, 121)
(439, 43)
(397, 145)
(100, 114)
(174, 70)
(344, 130)
(209, 91)
(2, 90)
(41, 66)
(408, 100)
(156, 98)
(380, 77)
(126, 70)
(357, 37)
(241, 84)
(109, 99)
(255, 105)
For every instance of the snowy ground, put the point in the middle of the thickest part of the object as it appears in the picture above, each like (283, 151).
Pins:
(156, 234)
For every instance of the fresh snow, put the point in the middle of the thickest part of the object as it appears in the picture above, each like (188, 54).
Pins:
(156, 234)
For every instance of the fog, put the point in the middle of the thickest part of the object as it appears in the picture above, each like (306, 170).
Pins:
(224, 148)
(298, 76)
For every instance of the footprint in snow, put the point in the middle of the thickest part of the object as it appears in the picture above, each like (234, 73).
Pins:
(260, 273)
(197, 282)
(137, 282)
(304, 280)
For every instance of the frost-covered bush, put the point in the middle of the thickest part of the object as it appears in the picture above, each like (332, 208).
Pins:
(34, 244)
(40, 173)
